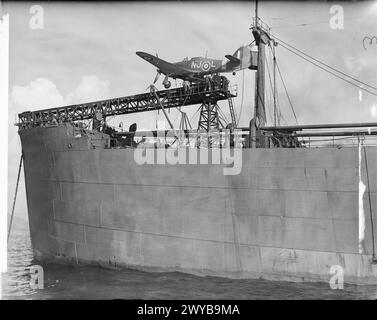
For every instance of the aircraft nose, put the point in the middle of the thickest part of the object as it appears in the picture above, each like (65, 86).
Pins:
(144, 55)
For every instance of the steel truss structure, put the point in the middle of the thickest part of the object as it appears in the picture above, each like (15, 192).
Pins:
(172, 98)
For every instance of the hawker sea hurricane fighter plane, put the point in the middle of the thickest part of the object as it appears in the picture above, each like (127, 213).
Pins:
(194, 69)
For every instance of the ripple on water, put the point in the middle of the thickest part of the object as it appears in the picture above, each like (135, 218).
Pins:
(78, 282)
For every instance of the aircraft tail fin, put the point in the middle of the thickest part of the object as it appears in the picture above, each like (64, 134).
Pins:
(243, 56)
(232, 58)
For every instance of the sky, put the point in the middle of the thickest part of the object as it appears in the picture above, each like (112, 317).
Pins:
(86, 52)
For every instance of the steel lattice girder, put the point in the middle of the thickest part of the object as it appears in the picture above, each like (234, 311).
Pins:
(171, 98)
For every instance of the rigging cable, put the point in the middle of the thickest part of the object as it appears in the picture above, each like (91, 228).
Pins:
(242, 94)
(334, 74)
(279, 115)
(374, 258)
(286, 91)
(325, 64)
(323, 68)
(180, 107)
(271, 87)
(310, 23)
(278, 110)
(15, 197)
(298, 25)
(192, 117)
(222, 115)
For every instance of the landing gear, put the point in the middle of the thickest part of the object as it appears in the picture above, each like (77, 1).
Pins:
(167, 84)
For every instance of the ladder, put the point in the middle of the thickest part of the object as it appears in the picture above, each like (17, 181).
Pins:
(231, 108)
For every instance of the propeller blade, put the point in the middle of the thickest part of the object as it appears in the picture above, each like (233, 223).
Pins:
(151, 88)
(157, 76)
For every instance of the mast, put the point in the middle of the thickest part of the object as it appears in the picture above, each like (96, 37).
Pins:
(256, 12)
(261, 38)
(274, 75)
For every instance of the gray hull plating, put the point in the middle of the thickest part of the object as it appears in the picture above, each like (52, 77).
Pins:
(290, 214)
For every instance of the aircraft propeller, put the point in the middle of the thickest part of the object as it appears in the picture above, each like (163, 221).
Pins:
(151, 88)
(157, 76)
(158, 73)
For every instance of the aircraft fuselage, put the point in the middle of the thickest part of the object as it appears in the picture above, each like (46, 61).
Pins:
(193, 69)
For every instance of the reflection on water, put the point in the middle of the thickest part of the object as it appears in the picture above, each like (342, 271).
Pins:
(73, 282)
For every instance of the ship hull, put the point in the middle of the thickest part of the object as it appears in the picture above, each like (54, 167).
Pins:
(291, 214)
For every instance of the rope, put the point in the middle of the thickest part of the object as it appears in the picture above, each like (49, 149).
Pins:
(328, 71)
(192, 117)
(163, 110)
(180, 109)
(222, 115)
(271, 93)
(286, 92)
(15, 196)
(328, 66)
(243, 89)
(374, 258)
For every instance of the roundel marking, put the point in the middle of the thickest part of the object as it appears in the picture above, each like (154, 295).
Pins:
(206, 66)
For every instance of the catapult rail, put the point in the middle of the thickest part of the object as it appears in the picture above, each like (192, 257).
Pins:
(144, 102)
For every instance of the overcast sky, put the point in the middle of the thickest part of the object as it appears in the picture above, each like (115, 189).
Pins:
(86, 51)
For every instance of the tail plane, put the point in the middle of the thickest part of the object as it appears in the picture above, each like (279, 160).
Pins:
(243, 57)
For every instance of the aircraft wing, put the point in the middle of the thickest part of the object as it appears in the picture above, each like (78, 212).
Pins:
(164, 66)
